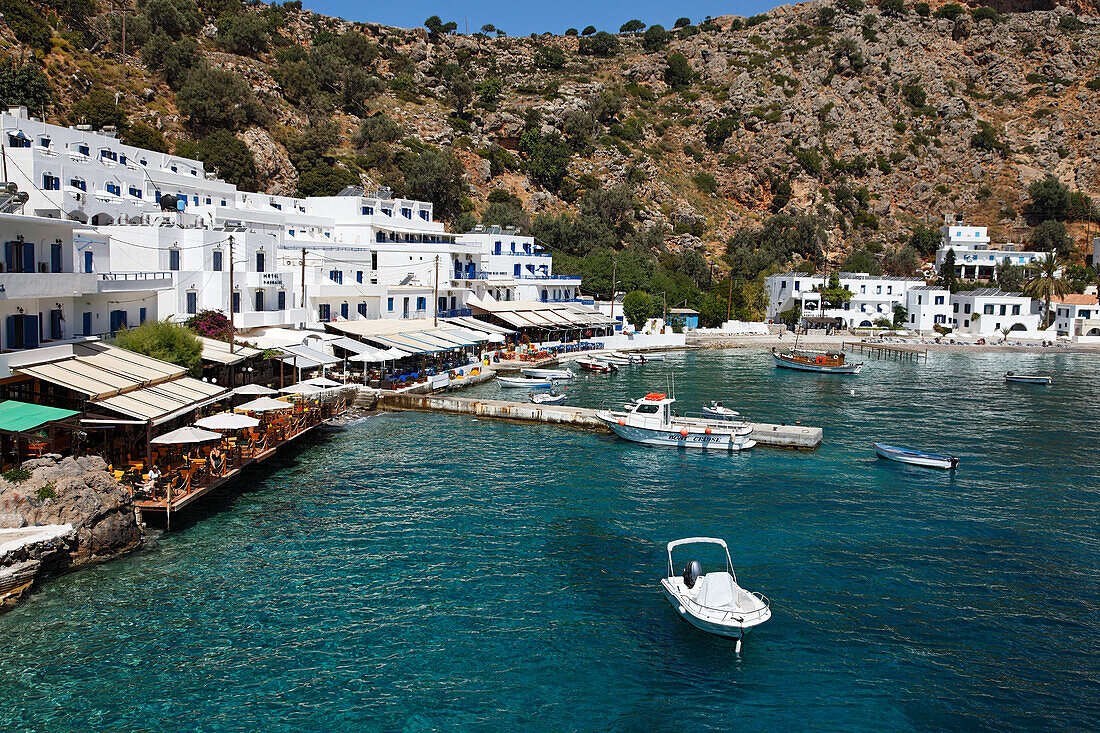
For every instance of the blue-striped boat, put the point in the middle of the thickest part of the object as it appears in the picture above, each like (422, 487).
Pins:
(915, 457)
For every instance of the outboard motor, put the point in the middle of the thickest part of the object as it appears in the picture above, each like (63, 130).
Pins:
(692, 572)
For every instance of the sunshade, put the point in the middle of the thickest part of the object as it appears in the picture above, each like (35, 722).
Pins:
(255, 389)
(227, 421)
(302, 389)
(18, 416)
(323, 382)
(186, 435)
(265, 404)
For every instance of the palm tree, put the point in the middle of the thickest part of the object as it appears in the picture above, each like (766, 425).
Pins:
(1046, 284)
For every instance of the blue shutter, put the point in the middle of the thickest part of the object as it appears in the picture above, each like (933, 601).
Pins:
(55, 257)
(28, 256)
(87, 318)
(9, 325)
(30, 332)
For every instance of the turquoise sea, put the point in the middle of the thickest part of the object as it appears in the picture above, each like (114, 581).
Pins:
(428, 572)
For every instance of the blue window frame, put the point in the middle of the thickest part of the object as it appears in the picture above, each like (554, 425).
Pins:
(173, 259)
(389, 304)
(79, 183)
(362, 309)
(280, 300)
(216, 261)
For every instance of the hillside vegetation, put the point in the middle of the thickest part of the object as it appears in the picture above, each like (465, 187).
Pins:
(825, 134)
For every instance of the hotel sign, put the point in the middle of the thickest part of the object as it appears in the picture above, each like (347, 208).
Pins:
(273, 278)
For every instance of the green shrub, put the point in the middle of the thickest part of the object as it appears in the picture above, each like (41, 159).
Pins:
(27, 24)
(892, 7)
(914, 95)
(602, 44)
(550, 57)
(655, 38)
(46, 491)
(951, 12)
(170, 342)
(224, 154)
(922, 9)
(851, 6)
(242, 33)
(986, 138)
(212, 98)
(755, 20)
(16, 475)
(24, 85)
(986, 13)
(705, 183)
(678, 73)
(1070, 23)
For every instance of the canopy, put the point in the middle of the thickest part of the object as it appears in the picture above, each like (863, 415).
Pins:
(227, 421)
(302, 388)
(218, 351)
(186, 435)
(308, 358)
(16, 417)
(716, 590)
(254, 389)
(323, 382)
(265, 404)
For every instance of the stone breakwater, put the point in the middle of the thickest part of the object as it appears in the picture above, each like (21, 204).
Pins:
(89, 515)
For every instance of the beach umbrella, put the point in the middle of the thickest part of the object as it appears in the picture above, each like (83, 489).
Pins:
(186, 435)
(375, 357)
(302, 388)
(265, 404)
(227, 421)
(322, 382)
(254, 389)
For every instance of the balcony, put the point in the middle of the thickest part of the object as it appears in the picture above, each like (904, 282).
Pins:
(125, 282)
(455, 313)
(563, 278)
(255, 319)
(16, 285)
(582, 301)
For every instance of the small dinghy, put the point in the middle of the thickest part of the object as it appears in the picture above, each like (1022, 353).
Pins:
(713, 602)
(1027, 378)
(525, 383)
(600, 367)
(715, 411)
(554, 374)
(547, 398)
(915, 457)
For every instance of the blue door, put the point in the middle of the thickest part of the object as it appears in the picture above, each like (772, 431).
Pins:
(55, 257)
(118, 321)
(55, 325)
(88, 261)
(87, 324)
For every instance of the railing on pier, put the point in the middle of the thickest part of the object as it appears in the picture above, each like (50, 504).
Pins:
(887, 351)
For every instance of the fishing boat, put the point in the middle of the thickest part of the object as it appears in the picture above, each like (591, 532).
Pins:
(716, 411)
(525, 383)
(826, 362)
(594, 365)
(554, 374)
(713, 602)
(650, 421)
(1027, 378)
(548, 398)
(915, 457)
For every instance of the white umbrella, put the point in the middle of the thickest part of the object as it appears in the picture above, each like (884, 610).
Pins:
(302, 388)
(254, 389)
(496, 338)
(323, 382)
(186, 435)
(265, 404)
(227, 421)
(394, 353)
(373, 358)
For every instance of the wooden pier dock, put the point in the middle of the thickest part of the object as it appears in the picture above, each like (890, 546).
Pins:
(799, 437)
(887, 351)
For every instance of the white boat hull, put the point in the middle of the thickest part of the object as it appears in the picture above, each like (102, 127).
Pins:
(555, 374)
(729, 415)
(720, 437)
(788, 363)
(729, 627)
(520, 383)
(914, 459)
(1024, 379)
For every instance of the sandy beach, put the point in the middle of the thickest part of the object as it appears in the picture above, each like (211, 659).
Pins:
(834, 341)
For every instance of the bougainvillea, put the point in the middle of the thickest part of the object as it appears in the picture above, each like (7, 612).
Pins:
(211, 324)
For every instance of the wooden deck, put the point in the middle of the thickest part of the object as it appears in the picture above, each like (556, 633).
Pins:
(887, 351)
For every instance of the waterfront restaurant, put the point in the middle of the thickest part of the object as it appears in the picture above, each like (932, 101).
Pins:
(544, 322)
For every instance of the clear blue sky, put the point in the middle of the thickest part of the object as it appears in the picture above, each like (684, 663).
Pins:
(520, 18)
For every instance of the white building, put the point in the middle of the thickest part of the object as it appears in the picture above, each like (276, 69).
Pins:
(1075, 315)
(928, 306)
(873, 296)
(988, 311)
(975, 257)
(164, 220)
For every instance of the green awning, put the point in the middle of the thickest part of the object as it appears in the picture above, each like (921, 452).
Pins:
(18, 417)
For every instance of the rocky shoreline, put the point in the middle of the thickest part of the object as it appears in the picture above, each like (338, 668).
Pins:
(60, 514)
(821, 341)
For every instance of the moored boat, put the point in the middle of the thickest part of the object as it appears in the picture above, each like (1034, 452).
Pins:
(915, 457)
(525, 383)
(716, 411)
(825, 362)
(554, 374)
(594, 365)
(1027, 378)
(713, 602)
(650, 421)
(547, 398)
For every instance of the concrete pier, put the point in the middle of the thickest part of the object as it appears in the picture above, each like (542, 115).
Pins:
(800, 437)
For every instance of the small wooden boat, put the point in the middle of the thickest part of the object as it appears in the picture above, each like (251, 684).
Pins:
(525, 383)
(915, 457)
(825, 362)
(554, 374)
(600, 367)
(547, 398)
(1027, 378)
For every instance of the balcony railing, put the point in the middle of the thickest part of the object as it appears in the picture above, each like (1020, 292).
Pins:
(455, 313)
(582, 301)
(113, 276)
(564, 278)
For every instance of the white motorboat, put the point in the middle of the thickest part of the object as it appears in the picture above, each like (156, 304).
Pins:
(595, 365)
(629, 358)
(653, 357)
(547, 398)
(554, 374)
(525, 383)
(713, 602)
(1027, 378)
(915, 457)
(715, 411)
(650, 421)
(616, 360)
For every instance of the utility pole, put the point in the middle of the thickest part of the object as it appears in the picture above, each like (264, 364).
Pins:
(435, 295)
(303, 278)
(729, 301)
(232, 329)
(124, 43)
(614, 264)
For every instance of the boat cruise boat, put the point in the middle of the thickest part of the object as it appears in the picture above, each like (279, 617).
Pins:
(594, 365)
(713, 602)
(650, 421)
(827, 362)
(915, 457)
(716, 411)
(1027, 378)
(554, 374)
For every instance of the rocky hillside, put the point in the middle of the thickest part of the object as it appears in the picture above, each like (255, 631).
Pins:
(855, 124)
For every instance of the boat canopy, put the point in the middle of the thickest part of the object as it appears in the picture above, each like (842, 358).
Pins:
(716, 590)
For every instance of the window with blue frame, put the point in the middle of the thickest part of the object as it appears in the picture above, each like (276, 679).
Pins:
(192, 302)
(79, 183)
(358, 276)
(362, 308)
(173, 259)
(389, 304)
(216, 261)
(324, 312)
(344, 311)
(51, 182)
(83, 150)
(280, 300)
(426, 216)
(407, 213)
(421, 303)
(236, 302)
(142, 312)
(368, 211)
(496, 248)
(260, 262)
(135, 192)
(337, 276)
(114, 189)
